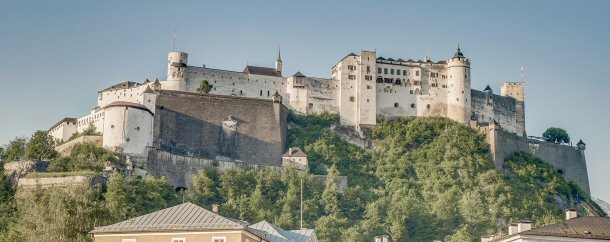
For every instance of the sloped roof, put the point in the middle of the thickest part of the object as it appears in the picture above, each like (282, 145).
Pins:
(580, 142)
(122, 85)
(128, 104)
(265, 71)
(186, 216)
(581, 227)
(294, 152)
(275, 234)
(62, 121)
(487, 88)
(298, 74)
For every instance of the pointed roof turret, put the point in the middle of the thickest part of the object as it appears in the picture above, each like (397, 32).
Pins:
(279, 56)
(487, 88)
(298, 74)
(459, 52)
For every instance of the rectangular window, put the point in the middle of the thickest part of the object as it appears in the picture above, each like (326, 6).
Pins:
(368, 77)
(416, 73)
(368, 87)
(352, 99)
(404, 72)
(219, 239)
(392, 71)
(379, 70)
(351, 77)
(351, 67)
(178, 239)
(385, 70)
(368, 69)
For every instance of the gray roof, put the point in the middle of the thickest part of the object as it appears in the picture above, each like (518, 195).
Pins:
(122, 85)
(129, 104)
(65, 120)
(487, 88)
(265, 71)
(581, 227)
(273, 233)
(183, 217)
(298, 74)
(294, 152)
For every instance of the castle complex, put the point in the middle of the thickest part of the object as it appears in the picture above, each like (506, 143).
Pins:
(243, 117)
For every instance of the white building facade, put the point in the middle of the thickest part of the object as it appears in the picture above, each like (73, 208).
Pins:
(362, 89)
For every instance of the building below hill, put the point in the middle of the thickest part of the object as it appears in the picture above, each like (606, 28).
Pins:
(574, 229)
(189, 222)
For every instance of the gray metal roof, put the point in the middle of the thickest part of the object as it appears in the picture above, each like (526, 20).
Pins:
(273, 233)
(294, 152)
(265, 71)
(582, 227)
(184, 217)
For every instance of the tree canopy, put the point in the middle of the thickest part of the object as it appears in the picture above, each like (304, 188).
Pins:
(204, 87)
(556, 135)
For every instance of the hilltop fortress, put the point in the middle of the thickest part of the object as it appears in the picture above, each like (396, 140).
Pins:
(172, 128)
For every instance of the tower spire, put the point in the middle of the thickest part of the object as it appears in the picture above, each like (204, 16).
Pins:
(278, 61)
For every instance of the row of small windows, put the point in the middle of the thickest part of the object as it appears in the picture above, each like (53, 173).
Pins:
(412, 105)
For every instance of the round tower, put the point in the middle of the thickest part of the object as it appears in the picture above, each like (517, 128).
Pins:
(176, 71)
(458, 96)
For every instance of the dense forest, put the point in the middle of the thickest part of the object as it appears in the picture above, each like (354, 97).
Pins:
(425, 179)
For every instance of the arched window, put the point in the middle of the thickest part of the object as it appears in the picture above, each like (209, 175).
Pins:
(397, 82)
(261, 93)
(268, 93)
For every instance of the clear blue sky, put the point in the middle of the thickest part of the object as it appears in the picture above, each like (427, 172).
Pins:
(56, 55)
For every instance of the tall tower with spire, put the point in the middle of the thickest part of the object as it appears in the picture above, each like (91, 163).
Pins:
(278, 62)
(458, 103)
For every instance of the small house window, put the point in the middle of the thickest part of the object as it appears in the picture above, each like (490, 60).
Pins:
(112, 126)
(395, 105)
(428, 106)
(352, 99)
(138, 128)
(127, 139)
(412, 105)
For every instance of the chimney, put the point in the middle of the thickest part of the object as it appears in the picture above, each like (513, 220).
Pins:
(512, 229)
(383, 238)
(523, 226)
(215, 208)
(571, 213)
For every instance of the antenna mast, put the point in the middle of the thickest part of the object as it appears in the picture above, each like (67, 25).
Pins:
(174, 41)
(522, 73)
(301, 202)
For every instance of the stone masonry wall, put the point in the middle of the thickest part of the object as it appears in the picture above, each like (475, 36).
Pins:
(220, 127)
(566, 159)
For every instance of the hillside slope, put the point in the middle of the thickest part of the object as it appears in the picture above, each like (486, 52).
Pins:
(431, 179)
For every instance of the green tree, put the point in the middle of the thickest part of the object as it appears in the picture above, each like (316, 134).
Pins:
(330, 196)
(204, 87)
(556, 135)
(15, 150)
(7, 202)
(134, 196)
(205, 188)
(40, 147)
(85, 156)
(59, 214)
(1, 153)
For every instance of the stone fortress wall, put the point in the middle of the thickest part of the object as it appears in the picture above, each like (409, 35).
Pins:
(220, 127)
(568, 160)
